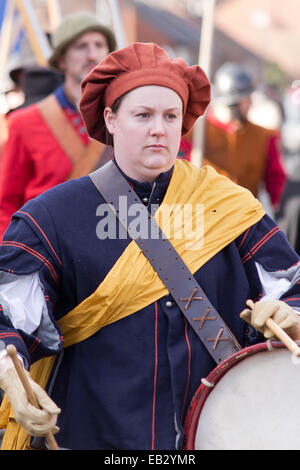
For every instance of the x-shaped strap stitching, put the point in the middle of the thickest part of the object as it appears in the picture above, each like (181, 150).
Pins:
(189, 299)
(218, 338)
(203, 319)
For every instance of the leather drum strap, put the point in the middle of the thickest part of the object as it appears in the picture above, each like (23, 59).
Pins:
(173, 272)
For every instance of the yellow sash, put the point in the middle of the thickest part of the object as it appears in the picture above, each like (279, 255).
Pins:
(225, 211)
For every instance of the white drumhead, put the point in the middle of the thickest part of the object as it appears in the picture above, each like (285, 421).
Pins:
(255, 405)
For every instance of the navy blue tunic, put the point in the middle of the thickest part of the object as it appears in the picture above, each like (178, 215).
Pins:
(129, 385)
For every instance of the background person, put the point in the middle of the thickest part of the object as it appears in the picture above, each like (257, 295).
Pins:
(251, 154)
(47, 142)
(246, 152)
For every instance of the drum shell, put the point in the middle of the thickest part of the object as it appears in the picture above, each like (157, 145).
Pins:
(199, 402)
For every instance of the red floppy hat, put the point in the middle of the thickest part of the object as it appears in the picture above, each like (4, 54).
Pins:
(138, 65)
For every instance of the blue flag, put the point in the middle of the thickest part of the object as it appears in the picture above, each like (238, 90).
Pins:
(2, 11)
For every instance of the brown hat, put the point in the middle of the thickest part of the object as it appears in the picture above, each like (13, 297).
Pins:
(73, 26)
(137, 65)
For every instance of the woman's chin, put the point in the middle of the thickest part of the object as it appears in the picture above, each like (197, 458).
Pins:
(158, 162)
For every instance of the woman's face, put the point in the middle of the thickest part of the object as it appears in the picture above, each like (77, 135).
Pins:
(146, 131)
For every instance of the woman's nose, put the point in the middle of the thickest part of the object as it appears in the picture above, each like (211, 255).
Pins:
(157, 126)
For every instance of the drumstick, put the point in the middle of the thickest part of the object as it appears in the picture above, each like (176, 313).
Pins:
(283, 336)
(280, 333)
(12, 352)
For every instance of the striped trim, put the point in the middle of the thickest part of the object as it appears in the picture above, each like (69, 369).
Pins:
(11, 334)
(155, 381)
(47, 299)
(43, 233)
(259, 244)
(34, 345)
(31, 251)
(244, 238)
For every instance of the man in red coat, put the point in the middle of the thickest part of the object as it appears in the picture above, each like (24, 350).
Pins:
(48, 142)
(3, 133)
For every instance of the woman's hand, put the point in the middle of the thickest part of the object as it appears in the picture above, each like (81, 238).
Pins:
(282, 314)
(37, 422)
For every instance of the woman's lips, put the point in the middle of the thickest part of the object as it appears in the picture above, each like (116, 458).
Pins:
(156, 147)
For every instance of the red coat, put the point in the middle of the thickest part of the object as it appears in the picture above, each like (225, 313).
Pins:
(32, 161)
(3, 133)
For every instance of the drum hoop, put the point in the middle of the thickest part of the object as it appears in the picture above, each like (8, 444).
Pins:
(199, 398)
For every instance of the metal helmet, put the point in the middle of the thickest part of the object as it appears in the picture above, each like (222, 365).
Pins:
(232, 83)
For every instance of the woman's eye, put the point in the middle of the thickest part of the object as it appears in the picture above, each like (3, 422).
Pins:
(143, 115)
(171, 116)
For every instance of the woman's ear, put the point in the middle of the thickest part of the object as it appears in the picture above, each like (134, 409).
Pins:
(109, 118)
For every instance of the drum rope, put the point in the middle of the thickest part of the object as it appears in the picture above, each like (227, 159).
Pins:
(207, 383)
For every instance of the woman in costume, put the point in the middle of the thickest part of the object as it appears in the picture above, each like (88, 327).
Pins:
(87, 308)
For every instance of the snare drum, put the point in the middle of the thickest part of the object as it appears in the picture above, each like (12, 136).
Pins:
(248, 402)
